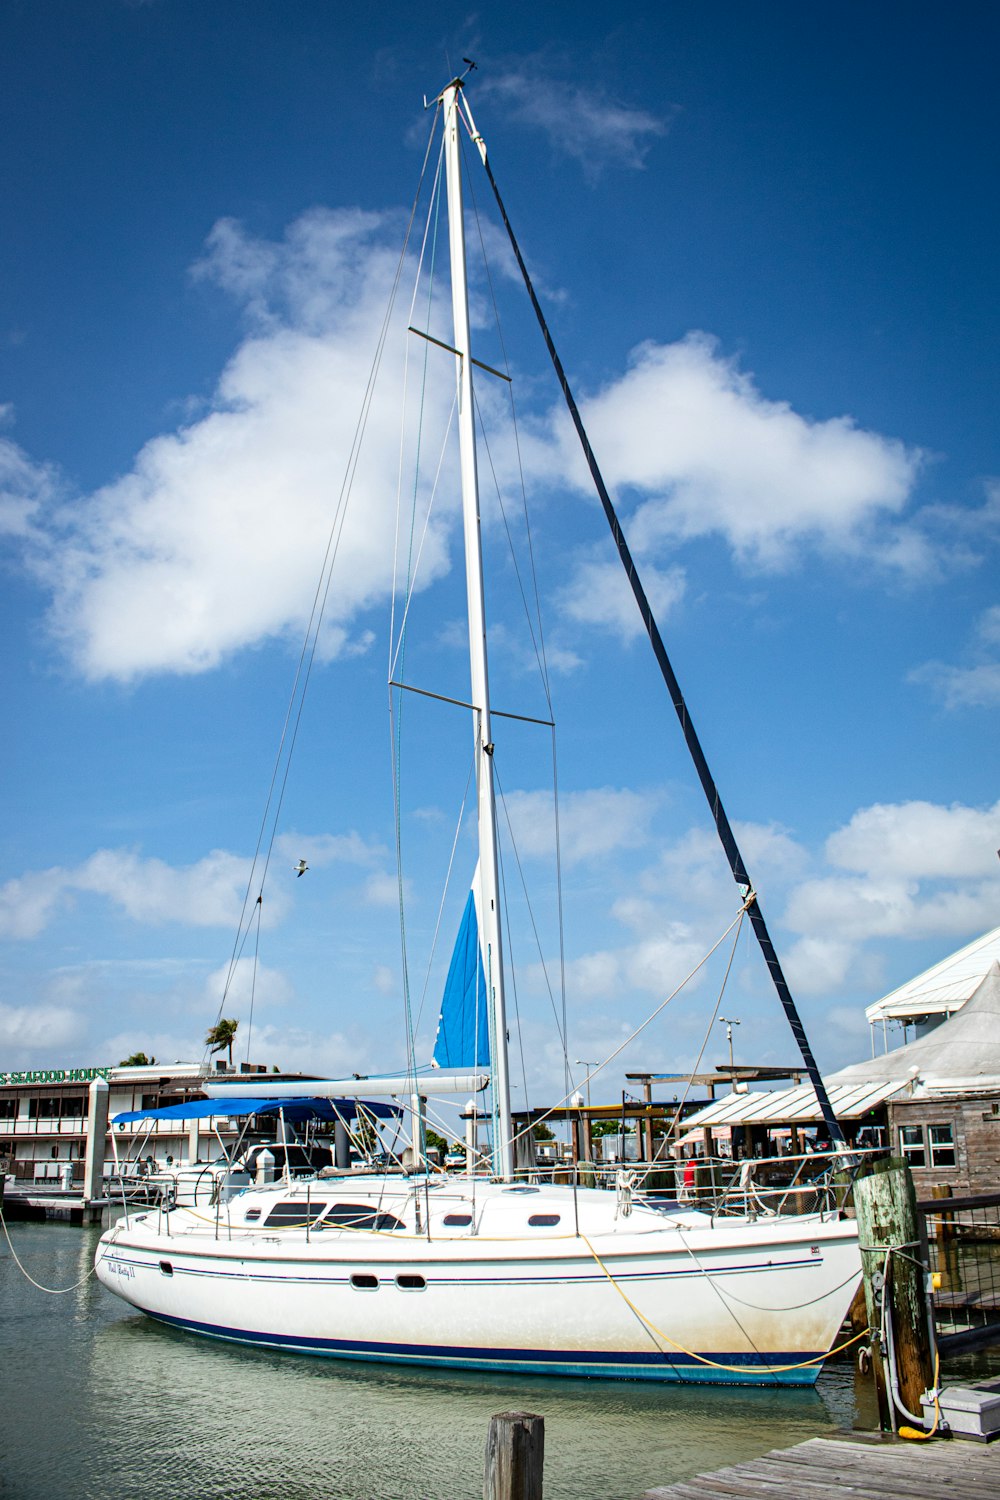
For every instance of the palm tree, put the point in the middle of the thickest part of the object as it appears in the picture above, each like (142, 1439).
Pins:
(221, 1037)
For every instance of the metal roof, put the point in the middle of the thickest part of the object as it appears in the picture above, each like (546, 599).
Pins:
(849, 1101)
(944, 987)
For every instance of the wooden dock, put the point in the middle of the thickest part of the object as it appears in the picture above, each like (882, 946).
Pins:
(871, 1468)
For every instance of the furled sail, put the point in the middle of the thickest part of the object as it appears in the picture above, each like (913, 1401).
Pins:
(463, 1030)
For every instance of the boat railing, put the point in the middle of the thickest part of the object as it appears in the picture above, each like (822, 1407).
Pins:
(750, 1187)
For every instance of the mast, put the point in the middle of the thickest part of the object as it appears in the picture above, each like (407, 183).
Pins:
(489, 904)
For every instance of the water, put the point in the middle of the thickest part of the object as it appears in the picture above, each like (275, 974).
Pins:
(97, 1401)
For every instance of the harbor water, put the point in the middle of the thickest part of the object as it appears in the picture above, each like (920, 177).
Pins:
(100, 1403)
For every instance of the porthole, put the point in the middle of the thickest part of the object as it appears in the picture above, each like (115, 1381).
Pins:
(408, 1283)
(543, 1221)
(251, 1215)
(458, 1221)
(166, 1268)
(363, 1282)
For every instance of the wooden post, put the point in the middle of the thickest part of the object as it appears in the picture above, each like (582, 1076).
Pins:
(887, 1219)
(515, 1455)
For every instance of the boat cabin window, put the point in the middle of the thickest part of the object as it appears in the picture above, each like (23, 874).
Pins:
(543, 1221)
(364, 1282)
(458, 1220)
(408, 1283)
(294, 1213)
(359, 1216)
(251, 1214)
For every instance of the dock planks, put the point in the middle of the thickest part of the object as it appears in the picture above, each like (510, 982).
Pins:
(873, 1469)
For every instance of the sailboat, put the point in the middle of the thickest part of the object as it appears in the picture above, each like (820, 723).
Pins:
(487, 1270)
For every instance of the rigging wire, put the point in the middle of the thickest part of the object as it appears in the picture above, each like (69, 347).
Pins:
(293, 714)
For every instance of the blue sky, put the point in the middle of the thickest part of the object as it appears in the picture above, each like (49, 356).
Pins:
(766, 238)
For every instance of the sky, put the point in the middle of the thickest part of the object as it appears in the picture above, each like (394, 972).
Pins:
(765, 241)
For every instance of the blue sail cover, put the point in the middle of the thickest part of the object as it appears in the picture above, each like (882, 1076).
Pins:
(463, 1032)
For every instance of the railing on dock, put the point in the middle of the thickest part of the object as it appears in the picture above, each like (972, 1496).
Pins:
(963, 1250)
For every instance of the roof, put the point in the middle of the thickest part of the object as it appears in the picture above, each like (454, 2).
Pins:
(963, 1051)
(849, 1102)
(943, 988)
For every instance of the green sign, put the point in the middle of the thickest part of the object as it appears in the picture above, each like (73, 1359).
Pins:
(56, 1075)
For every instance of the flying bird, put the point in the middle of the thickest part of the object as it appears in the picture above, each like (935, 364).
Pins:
(301, 868)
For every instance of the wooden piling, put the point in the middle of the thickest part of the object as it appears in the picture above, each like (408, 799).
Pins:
(887, 1221)
(515, 1455)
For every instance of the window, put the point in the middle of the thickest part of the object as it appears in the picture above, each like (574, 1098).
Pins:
(44, 1109)
(941, 1139)
(911, 1145)
(410, 1283)
(166, 1268)
(8, 1109)
(359, 1216)
(294, 1213)
(251, 1215)
(73, 1107)
(543, 1221)
(364, 1282)
(458, 1221)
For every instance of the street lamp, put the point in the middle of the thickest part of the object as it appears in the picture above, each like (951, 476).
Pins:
(729, 1024)
(581, 1062)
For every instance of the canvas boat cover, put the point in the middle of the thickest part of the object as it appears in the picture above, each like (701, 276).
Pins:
(238, 1106)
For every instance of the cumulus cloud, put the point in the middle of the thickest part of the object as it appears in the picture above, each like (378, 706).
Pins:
(592, 824)
(213, 541)
(31, 1028)
(709, 454)
(916, 869)
(208, 893)
(918, 840)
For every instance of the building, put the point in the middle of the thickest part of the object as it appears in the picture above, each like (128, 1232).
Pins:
(935, 1102)
(939, 992)
(44, 1118)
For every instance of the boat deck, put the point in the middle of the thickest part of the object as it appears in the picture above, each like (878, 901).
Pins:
(830, 1468)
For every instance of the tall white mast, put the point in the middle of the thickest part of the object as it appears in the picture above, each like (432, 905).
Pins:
(489, 905)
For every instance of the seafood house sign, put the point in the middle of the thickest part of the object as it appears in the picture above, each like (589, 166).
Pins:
(56, 1075)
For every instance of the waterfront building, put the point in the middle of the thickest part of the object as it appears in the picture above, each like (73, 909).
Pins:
(44, 1117)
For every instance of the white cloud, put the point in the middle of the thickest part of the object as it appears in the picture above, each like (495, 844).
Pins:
(918, 840)
(248, 981)
(599, 594)
(31, 1028)
(25, 489)
(382, 888)
(208, 893)
(214, 540)
(584, 123)
(327, 848)
(592, 824)
(688, 430)
(976, 685)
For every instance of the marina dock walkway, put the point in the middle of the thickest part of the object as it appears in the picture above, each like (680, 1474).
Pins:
(830, 1468)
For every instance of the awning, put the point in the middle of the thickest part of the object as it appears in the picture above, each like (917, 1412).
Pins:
(849, 1102)
(237, 1106)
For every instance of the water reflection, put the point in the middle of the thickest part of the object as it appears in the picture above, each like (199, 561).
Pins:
(101, 1402)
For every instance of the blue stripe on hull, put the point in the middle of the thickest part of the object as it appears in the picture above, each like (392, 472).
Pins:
(639, 1365)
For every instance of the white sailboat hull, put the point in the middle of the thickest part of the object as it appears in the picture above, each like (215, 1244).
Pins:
(646, 1297)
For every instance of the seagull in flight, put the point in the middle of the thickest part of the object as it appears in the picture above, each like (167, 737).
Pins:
(301, 868)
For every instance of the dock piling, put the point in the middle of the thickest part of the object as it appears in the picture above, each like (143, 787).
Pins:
(515, 1455)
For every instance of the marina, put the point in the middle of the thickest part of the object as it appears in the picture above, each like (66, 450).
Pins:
(121, 1406)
